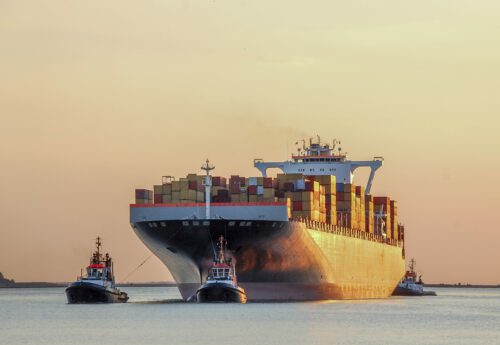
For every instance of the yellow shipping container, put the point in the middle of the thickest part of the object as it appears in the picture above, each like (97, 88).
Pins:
(200, 196)
(330, 189)
(326, 180)
(308, 205)
(167, 188)
(268, 193)
(176, 186)
(252, 198)
(184, 184)
(158, 189)
(306, 196)
(192, 177)
(176, 196)
(349, 188)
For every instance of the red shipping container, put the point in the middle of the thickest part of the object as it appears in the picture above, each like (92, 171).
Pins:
(381, 200)
(216, 181)
(193, 185)
(243, 182)
(279, 194)
(268, 182)
(158, 199)
(252, 190)
(235, 188)
(310, 186)
(297, 206)
(358, 190)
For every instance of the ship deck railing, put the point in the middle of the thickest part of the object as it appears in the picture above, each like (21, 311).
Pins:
(349, 232)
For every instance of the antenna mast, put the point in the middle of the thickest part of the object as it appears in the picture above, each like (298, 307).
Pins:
(98, 245)
(207, 182)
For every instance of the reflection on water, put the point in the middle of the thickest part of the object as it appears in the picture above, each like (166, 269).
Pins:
(158, 316)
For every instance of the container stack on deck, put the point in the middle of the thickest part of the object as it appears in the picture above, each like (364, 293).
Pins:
(394, 220)
(382, 209)
(316, 198)
(369, 217)
(143, 196)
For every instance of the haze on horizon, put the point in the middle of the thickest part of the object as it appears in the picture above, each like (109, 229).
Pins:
(99, 98)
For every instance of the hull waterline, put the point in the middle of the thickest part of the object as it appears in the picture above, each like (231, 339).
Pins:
(220, 293)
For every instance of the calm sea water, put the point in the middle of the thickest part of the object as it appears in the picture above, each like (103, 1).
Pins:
(156, 316)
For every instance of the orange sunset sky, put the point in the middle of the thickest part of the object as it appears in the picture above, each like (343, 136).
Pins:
(98, 98)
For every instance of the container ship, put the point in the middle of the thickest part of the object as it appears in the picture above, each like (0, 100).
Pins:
(307, 234)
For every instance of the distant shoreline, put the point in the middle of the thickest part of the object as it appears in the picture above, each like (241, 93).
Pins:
(459, 285)
(171, 284)
(37, 285)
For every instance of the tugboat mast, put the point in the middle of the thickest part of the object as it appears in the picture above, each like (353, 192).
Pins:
(207, 181)
(221, 257)
(98, 245)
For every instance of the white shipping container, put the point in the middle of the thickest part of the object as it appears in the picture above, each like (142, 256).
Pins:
(260, 190)
(299, 184)
(252, 181)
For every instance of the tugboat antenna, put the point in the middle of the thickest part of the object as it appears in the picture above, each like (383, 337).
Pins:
(98, 245)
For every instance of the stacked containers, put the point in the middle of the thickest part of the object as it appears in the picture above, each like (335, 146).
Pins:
(394, 220)
(143, 196)
(191, 189)
(401, 232)
(158, 197)
(346, 205)
(369, 220)
(382, 207)
(261, 189)
(360, 208)
(235, 188)
(166, 193)
(219, 189)
(316, 198)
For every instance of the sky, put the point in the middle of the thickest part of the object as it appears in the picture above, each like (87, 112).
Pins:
(98, 98)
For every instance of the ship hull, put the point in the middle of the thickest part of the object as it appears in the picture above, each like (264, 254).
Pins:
(276, 260)
(81, 292)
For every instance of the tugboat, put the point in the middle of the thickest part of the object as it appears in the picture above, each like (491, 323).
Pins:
(221, 284)
(98, 286)
(410, 286)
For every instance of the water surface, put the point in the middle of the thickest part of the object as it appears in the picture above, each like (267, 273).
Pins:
(157, 316)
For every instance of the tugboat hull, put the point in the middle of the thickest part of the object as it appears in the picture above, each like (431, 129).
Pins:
(91, 293)
(402, 291)
(215, 292)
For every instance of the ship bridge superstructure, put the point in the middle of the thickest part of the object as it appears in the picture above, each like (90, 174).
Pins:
(321, 158)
